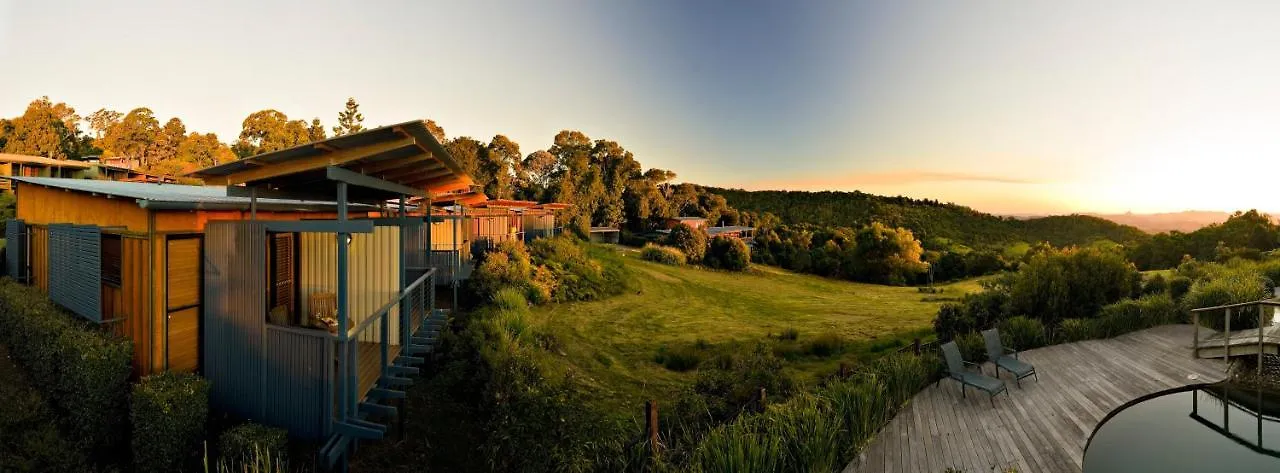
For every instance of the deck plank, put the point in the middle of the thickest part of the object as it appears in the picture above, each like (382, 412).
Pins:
(1043, 426)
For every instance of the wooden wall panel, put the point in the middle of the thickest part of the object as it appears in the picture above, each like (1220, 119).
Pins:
(42, 205)
(127, 304)
(39, 259)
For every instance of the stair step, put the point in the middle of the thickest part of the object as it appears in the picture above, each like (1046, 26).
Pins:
(394, 381)
(379, 409)
(409, 360)
(383, 393)
(405, 370)
(416, 350)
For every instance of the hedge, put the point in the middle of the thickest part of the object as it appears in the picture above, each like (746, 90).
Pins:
(29, 438)
(83, 372)
(662, 254)
(169, 413)
(246, 443)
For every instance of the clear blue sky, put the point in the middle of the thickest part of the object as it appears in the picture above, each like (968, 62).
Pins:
(1005, 106)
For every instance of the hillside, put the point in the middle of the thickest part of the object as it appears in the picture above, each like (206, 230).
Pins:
(926, 218)
(1185, 221)
(612, 343)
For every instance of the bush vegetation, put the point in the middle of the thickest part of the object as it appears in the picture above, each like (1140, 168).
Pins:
(254, 443)
(549, 269)
(82, 372)
(169, 413)
(690, 241)
(662, 254)
(29, 436)
(728, 253)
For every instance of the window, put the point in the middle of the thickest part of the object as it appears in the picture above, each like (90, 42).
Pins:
(282, 275)
(111, 260)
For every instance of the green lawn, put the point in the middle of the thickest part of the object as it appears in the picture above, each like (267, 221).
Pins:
(613, 342)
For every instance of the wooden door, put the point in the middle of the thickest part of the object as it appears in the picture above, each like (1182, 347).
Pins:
(182, 294)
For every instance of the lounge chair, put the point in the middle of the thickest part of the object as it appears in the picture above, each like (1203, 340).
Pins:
(999, 356)
(956, 370)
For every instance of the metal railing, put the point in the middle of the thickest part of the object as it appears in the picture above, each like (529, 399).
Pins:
(410, 308)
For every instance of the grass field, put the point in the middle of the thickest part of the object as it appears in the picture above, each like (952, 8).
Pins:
(613, 342)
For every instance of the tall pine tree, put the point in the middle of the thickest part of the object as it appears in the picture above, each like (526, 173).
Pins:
(349, 120)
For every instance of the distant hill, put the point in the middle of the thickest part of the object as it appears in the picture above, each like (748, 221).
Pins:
(927, 218)
(1185, 221)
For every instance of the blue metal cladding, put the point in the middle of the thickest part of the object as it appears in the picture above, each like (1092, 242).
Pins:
(299, 381)
(75, 269)
(235, 301)
(15, 235)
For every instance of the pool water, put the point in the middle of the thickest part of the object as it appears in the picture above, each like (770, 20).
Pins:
(1218, 428)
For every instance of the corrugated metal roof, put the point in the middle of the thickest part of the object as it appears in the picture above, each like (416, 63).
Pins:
(41, 160)
(725, 229)
(176, 196)
(403, 153)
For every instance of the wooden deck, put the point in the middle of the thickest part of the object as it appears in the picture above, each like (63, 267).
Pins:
(1044, 426)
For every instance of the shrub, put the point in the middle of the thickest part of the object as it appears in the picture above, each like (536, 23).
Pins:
(903, 375)
(728, 253)
(950, 321)
(82, 372)
(29, 437)
(250, 443)
(739, 446)
(509, 298)
(809, 435)
(1160, 309)
(662, 254)
(1071, 283)
(678, 359)
(1074, 330)
(861, 405)
(691, 241)
(169, 413)
(972, 347)
(1228, 287)
(1022, 333)
(825, 345)
(790, 333)
(1156, 284)
(1179, 286)
(578, 277)
(541, 286)
(731, 385)
(507, 265)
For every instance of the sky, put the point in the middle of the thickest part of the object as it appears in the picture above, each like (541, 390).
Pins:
(1008, 107)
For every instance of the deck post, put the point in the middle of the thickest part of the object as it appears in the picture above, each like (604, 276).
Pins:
(253, 203)
(1195, 335)
(1260, 335)
(345, 383)
(405, 328)
(651, 425)
(1226, 338)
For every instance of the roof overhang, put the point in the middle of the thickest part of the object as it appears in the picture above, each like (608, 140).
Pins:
(379, 164)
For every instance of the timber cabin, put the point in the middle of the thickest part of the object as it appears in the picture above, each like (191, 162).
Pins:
(296, 282)
(38, 166)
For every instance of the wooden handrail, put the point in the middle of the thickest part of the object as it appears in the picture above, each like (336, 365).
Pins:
(1269, 302)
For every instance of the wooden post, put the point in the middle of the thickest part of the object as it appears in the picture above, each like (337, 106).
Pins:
(763, 400)
(1226, 339)
(651, 425)
(915, 346)
(1195, 334)
(844, 370)
(1260, 335)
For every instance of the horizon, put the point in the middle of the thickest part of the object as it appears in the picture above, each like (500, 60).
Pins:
(1030, 109)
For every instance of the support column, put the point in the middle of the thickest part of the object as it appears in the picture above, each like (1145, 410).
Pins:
(1261, 308)
(1195, 335)
(346, 383)
(253, 203)
(1226, 338)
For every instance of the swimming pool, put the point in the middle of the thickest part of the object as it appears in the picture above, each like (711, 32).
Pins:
(1219, 427)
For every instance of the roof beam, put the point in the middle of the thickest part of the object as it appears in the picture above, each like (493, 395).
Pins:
(432, 183)
(309, 163)
(369, 182)
(381, 166)
(418, 174)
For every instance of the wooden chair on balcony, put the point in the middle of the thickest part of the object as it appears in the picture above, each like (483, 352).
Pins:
(321, 304)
